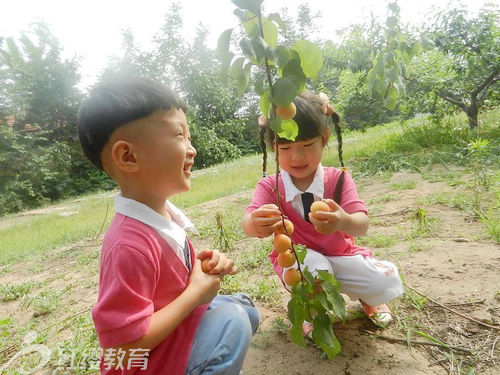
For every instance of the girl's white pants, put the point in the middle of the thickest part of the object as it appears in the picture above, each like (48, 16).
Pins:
(373, 281)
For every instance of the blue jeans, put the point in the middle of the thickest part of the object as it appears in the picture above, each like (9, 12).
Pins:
(223, 336)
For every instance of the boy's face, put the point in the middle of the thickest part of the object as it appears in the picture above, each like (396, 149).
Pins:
(165, 154)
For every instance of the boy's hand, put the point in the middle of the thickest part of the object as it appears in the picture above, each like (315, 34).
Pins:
(264, 218)
(329, 222)
(205, 286)
(216, 263)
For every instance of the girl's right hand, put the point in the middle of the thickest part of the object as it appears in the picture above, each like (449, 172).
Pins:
(205, 286)
(264, 218)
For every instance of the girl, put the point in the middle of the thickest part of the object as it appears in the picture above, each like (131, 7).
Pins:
(328, 236)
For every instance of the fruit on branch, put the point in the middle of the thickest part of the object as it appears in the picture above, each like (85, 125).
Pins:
(282, 243)
(319, 206)
(286, 113)
(288, 226)
(291, 277)
(286, 259)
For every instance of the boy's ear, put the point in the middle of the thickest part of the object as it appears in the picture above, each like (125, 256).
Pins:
(123, 156)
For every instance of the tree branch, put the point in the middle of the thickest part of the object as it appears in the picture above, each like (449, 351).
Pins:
(452, 98)
(488, 81)
(486, 85)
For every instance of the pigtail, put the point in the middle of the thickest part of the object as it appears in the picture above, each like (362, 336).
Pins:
(340, 183)
(262, 133)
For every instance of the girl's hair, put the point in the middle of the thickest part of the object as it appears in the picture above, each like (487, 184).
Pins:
(312, 123)
(114, 104)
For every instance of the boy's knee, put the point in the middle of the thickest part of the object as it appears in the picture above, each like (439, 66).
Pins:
(238, 321)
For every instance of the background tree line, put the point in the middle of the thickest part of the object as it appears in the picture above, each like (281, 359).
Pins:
(378, 72)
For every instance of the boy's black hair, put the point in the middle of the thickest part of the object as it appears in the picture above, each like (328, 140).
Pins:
(311, 122)
(116, 103)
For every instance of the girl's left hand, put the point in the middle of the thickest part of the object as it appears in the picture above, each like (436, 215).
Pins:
(216, 263)
(329, 222)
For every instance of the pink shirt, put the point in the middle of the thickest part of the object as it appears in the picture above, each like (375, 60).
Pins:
(335, 244)
(140, 274)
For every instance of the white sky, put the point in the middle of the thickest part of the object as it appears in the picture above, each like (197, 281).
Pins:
(91, 29)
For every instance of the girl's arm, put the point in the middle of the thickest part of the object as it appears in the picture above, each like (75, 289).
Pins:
(355, 224)
(261, 222)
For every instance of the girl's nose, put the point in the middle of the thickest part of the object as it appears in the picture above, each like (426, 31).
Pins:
(297, 154)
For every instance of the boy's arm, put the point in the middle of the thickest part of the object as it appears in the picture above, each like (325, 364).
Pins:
(202, 289)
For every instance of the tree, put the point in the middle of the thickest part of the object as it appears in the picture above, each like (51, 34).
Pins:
(39, 87)
(464, 67)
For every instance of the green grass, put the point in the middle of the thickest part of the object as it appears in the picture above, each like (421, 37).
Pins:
(38, 234)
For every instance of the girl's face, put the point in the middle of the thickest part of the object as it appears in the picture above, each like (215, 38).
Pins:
(300, 159)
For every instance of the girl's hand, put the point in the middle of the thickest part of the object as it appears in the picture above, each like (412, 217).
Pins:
(329, 222)
(264, 218)
(203, 285)
(216, 263)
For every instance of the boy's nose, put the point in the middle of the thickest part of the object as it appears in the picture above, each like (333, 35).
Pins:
(191, 151)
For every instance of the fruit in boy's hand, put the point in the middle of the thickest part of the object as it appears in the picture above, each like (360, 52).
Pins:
(286, 113)
(288, 225)
(282, 243)
(291, 277)
(319, 206)
(204, 265)
(286, 259)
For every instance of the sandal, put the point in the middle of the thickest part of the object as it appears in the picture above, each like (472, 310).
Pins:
(380, 315)
(307, 329)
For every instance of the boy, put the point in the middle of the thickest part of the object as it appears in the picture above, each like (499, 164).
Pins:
(157, 311)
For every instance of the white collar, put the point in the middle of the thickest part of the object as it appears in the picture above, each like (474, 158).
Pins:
(174, 232)
(317, 187)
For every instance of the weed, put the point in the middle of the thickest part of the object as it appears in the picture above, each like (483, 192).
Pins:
(377, 240)
(11, 292)
(46, 302)
(222, 237)
(281, 325)
(403, 185)
(491, 220)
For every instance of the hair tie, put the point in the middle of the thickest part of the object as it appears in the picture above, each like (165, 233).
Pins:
(326, 108)
(263, 121)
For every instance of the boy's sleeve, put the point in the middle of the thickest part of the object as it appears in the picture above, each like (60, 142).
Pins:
(124, 308)
(350, 200)
(263, 194)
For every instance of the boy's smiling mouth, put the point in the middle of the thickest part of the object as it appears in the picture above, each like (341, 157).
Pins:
(187, 168)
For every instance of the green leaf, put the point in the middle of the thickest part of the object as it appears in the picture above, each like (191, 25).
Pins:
(311, 57)
(296, 314)
(5, 321)
(240, 74)
(301, 252)
(247, 48)
(259, 46)
(251, 5)
(289, 130)
(251, 27)
(284, 90)
(308, 276)
(293, 68)
(283, 55)
(332, 290)
(276, 124)
(270, 32)
(265, 103)
(276, 18)
(223, 44)
(323, 336)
